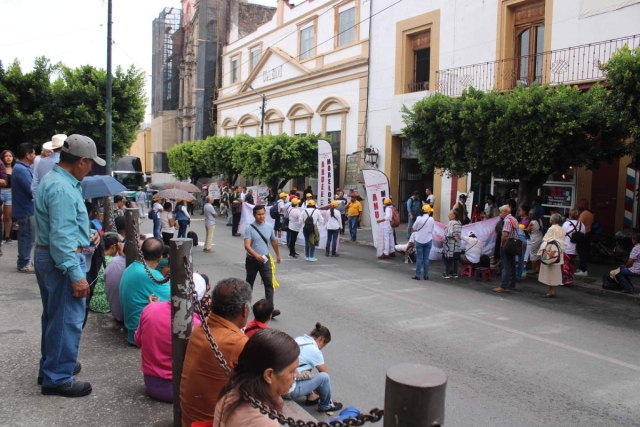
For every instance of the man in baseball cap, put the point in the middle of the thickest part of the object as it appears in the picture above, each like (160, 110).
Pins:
(42, 168)
(83, 147)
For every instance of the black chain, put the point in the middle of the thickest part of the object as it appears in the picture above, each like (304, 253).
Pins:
(142, 260)
(374, 415)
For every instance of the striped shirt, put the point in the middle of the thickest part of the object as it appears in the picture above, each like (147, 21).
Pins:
(510, 227)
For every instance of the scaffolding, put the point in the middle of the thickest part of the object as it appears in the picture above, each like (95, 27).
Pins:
(167, 52)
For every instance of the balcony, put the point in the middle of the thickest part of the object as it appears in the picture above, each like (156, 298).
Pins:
(570, 65)
(417, 86)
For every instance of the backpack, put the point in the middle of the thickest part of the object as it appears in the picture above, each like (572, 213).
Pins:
(596, 227)
(152, 215)
(308, 222)
(273, 211)
(576, 237)
(395, 217)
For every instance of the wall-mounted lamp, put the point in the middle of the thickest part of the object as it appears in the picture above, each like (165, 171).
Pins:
(371, 156)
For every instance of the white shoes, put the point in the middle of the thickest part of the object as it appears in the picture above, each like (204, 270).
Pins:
(581, 273)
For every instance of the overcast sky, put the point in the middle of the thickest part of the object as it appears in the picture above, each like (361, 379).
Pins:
(74, 31)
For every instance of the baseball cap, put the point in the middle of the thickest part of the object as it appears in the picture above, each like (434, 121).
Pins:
(427, 209)
(354, 194)
(283, 194)
(387, 201)
(200, 285)
(335, 203)
(82, 146)
(462, 196)
(471, 234)
(311, 202)
(295, 201)
(308, 195)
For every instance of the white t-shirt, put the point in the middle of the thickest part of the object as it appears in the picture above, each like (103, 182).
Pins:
(568, 229)
(423, 229)
(431, 200)
(335, 222)
(295, 219)
(473, 248)
(164, 220)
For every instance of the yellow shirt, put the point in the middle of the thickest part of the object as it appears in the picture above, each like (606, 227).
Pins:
(354, 208)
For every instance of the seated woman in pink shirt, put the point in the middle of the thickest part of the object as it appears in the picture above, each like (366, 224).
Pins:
(153, 336)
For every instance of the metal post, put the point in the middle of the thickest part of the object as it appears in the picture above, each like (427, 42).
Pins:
(132, 226)
(181, 316)
(107, 221)
(414, 396)
(263, 111)
(109, 108)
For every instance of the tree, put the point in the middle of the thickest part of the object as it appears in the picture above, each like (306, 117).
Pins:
(32, 107)
(623, 74)
(525, 134)
(218, 153)
(186, 160)
(275, 159)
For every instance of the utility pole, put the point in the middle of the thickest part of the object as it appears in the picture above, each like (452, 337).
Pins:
(264, 106)
(109, 117)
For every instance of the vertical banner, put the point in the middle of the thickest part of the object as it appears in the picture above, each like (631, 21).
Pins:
(377, 187)
(325, 173)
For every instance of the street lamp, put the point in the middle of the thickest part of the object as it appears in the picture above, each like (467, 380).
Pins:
(261, 95)
(371, 156)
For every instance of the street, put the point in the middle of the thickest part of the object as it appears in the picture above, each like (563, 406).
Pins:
(511, 360)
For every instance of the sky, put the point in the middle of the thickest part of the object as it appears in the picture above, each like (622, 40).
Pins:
(75, 32)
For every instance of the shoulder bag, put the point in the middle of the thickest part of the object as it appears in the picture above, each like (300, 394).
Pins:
(513, 246)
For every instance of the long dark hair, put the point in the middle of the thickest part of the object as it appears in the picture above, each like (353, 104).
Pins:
(13, 162)
(268, 348)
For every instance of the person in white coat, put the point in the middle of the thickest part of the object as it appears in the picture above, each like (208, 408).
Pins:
(387, 231)
(310, 212)
(294, 214)
(334, 224)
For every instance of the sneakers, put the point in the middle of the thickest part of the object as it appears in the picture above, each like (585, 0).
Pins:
(27, 269)
(581, 273)
(8, 240)
(71, 389)
(445, 276)
(454, 276)
(313, 259)
(294, 256)
(336, 406)
(275, 313)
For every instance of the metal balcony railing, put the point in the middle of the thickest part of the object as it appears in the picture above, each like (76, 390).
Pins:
(569, 65)
(417, 86)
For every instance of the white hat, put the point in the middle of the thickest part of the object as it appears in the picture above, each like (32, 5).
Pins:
(200, 285)
(56, 142)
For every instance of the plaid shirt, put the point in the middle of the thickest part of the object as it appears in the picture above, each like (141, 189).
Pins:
(510, 227)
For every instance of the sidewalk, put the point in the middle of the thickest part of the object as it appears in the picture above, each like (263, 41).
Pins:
(591, 284)
(109, 364)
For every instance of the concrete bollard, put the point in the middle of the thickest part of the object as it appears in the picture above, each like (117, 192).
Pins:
(181, 316)
(414, 396)
(132, 230)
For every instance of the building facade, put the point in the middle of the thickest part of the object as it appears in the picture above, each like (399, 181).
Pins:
(310, 65)
(420, 47)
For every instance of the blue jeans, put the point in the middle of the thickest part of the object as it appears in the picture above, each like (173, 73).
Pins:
(157, 229)
(319, 382)
(508, 269)
(521, 262)
(61, 320)
(625, 276)
(182, 228)
(332, 240)
(26, 239)
(410, 223)
(353, 226)
(422, 257)
(309, 250)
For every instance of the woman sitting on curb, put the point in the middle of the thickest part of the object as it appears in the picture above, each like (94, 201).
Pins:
(311, 357)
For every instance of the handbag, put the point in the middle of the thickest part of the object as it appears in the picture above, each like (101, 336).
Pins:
(550, 253)
(513, 246)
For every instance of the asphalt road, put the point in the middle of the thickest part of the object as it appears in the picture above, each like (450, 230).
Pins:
(511, 360)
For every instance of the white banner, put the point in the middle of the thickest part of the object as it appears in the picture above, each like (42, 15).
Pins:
(247, 218)
(325, 173)
(484, 231)
(214, 190)
(377, 188)
(260, 194)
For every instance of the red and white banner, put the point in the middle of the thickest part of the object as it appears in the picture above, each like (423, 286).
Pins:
(260, 194)
(377, 188)
(484, 231)
(325, 173)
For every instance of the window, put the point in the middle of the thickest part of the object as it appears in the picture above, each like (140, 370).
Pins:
(346, 26)
(255, 58)
(421, 52)
(234, 70)
(306, 42)
(529, 43)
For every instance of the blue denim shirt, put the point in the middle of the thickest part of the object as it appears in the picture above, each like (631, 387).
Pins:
(62, 222)
(44, 167)
(21, 190)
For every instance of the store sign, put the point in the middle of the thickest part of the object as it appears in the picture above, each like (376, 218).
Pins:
(559, 196)
(352, 170)
(272, 74)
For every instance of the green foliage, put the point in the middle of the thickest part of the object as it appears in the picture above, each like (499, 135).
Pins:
(623, 74)
(271, 159)
(33, 107)
(525, 134)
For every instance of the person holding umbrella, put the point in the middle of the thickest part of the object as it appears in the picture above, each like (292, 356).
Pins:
(183, 218)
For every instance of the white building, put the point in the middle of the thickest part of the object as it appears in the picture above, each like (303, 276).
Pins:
(310, 63)
(422, 46)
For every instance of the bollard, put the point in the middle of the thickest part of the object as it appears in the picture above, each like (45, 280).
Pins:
(132, 227)
(414, 396)
(181, 316)
(107, 220)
